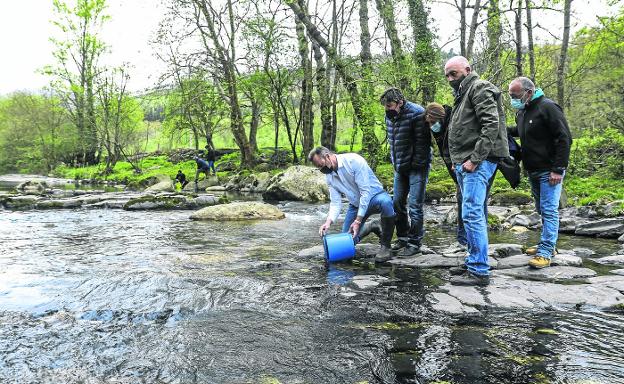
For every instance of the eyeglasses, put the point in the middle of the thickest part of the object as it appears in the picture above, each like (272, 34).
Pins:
(515, 96)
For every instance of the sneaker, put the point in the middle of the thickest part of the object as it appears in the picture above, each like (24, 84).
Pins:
(470, 278)
(410, 250)
(459, 270)
(539, 262)
(399, 244)
(532, 251)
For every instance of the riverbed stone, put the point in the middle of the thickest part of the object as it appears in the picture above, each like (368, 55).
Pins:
(301, 183)
(427, 261)
(368, 281)
(533, 220)
(245, 210)
(505, 292)
(501, 250)
(612, 228)
(163, 184)
(511, 198)
(20, 202)
(205, 183)
(566, 259)
(568, 224)
(32, 187)
(149, 202)
(621, 238)
(553, 273)
(514, 261)
(611, 260)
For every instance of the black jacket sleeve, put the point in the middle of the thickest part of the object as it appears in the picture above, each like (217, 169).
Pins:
(560, 132)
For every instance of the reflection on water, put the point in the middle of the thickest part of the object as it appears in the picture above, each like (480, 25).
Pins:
(115, 296)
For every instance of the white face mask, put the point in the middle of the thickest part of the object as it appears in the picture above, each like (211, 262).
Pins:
(437, 127)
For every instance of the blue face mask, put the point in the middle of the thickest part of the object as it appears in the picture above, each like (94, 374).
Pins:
(517, 104)
(435, 128)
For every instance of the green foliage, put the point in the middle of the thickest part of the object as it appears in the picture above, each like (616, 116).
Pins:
(599, 154)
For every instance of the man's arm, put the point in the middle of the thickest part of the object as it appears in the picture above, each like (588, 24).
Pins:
(485, 101)
(335, 205)
(558, 126)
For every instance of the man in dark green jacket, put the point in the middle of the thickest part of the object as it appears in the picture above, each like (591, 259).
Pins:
(546, 142)
(477, 142)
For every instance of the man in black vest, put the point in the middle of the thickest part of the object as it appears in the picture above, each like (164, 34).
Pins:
(546, 142)
(410, 153)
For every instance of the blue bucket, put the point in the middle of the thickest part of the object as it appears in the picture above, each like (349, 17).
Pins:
(338, 247)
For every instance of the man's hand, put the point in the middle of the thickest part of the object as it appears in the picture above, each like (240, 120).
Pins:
(354, 229)
(324, 228)
(469, 166)
(554, 178)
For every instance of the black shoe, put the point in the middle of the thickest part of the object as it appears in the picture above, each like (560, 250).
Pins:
(459, 270)
(399, 244)
(410, 250)
(470, 278)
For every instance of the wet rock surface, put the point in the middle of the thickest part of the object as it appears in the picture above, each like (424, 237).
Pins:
(239, 211)
(299, 183)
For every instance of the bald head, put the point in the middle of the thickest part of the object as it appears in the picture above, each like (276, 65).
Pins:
(456, 67)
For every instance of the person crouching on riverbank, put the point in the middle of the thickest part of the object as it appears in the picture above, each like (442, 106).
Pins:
(350, 174)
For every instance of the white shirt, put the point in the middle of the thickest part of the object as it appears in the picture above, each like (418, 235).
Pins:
(354, 179)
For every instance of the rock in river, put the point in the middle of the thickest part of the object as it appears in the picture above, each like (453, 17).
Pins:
(298, 183)
(239, 211)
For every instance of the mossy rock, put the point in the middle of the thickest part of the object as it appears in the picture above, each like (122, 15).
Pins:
(437, 192)
(156, 202)
(242, 210)
(511, 198)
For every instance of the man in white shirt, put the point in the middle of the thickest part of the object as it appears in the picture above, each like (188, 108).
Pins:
(349, 175)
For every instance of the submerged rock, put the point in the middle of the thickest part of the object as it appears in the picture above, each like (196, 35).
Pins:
(239, 211)
(299, 183)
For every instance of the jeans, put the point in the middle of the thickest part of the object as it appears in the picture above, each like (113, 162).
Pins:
(474, 188)
(546, 198)
(211, 166)
(461, 231)
(380, 203)
(412, 184)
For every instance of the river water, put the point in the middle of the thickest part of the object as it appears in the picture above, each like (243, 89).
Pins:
(112, 296)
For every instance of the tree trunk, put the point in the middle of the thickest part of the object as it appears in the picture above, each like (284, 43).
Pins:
(226, 60)
(529, 27)
(253, 125)
(306, 112)
(363, 114)
(462, 28)
(322, 86)
(474, 23)
(563, 56)
(493, 51)
(386, 11)
(425, 56)
(518, 25)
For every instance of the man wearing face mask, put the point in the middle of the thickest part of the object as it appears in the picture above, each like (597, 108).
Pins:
(349, 175)
(477, 140)
(410, 154)
(546, 142)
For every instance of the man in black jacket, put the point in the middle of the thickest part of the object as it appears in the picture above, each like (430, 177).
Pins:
(410, 152)
(546, 142)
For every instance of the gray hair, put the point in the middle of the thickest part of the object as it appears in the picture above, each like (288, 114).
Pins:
(319, 151)
(526, 83)
(391, 95)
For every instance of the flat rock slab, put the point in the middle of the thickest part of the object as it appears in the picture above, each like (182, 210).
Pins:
(550, 273)
(427, 261)
(613, 228)
(504, 250)
(318, 251)
(368, 281)
(506, 292)
(618, 272)
(611, 260)
(239, 211)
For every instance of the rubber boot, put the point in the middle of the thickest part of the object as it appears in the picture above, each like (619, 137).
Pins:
(370, 226)
(387, 230)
